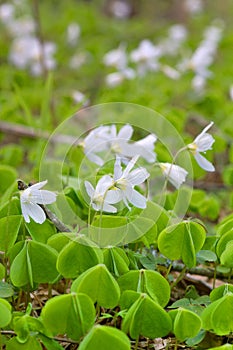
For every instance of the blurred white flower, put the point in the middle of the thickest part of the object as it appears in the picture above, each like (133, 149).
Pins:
(174, 173)
(146, 57)
(73, 33)
(177, 34)
(79, 97)
(6, 13)
(231, 92)
(77, 60)
(30, 200)
(21, 27)
(117, 78)
(121, 9)
(27, 52)
(194, 6)
(124, 182)
(100, 200)
(170, 72)
(202, 143)
(116, 58)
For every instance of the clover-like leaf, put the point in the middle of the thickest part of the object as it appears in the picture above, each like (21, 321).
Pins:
(71, 314)
(98, 283)
(182, 241)
(146, 281)
(105, 338)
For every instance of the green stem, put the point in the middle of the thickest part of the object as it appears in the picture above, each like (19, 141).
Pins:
(229, 276)
(136, 343)
(181, 275)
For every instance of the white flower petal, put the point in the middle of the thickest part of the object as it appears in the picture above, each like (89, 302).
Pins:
(109, 208)
(104, 183)
(117, 169)
(35, 212)
(205, 142)
(137, 199)
(37, 186)
(138, 176)
(130, 166)
(203, 162)
(175, 174)
(89, 188)
(43, 197)
(24, 207)
(94, 158)
(125, 132)
(113, 196)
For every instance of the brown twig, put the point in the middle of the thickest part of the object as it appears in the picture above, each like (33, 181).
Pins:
(25, 131)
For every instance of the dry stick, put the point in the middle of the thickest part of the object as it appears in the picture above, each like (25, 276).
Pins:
(25, 131)
(208, 272)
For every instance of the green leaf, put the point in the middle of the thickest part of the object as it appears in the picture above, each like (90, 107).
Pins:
(6, 290)
(182, 241)
(78, 256)
(186, 324)
(41, 232)
(31, 343)
(11, 207)
(226, 257)
(49, 343)
(5, 313)
(116, 260)
(59, 240)
(222, 242)
(7, 175)
(71, 314)
(146, 318)
(146, 281)
(9, 228)
(105, 338)
(106, 291)
(218, 315)
(36, 262)
(220, 291)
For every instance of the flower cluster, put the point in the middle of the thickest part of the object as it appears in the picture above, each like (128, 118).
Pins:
(120, 186)
(147, 56)
(26, 51)
(106, 137)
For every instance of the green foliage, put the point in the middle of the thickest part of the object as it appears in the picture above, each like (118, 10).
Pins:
(186, 324)
(9, 228)
(72, 314)
(106, 291)
(36, 262)
(5, 313)
(217, 317)
(101, 337)
(82, 253)
(147, 318)
(146, 281)
(182, 241)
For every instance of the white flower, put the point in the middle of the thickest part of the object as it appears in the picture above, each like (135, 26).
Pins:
(116, 58)
(106, 138)
(174, 173)
(100, 200)
(202, 143)
(124, 182)
(146, 57)
(73, 33)
(27, 52)
(117, 78)
(30, 200)
(121, 147)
